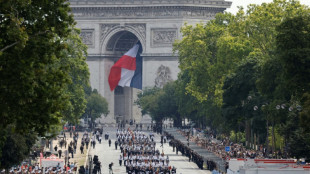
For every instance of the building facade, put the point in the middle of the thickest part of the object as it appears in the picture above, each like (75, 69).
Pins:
(111, 27)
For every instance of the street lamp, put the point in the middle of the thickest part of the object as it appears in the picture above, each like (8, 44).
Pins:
(255, 108)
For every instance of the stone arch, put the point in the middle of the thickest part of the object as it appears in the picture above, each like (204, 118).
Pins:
(117, 29)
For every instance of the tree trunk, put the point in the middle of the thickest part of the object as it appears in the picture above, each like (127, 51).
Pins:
(247, 132)
(273, 139)
(267, 137)
(254, 141)
(237, 134)
(177, 122)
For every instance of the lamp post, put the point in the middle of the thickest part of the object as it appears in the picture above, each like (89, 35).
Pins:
(255, 108)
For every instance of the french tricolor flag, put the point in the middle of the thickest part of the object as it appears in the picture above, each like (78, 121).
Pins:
(127, 71)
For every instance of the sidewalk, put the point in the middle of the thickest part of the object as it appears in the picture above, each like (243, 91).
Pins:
(79, 158)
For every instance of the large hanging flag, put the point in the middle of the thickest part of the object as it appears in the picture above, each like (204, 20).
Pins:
(127, 71)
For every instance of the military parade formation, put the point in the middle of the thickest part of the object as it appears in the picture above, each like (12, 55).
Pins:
(139, 155)
(178, 146)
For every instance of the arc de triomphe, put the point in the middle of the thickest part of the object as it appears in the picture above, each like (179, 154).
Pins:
(111, 27)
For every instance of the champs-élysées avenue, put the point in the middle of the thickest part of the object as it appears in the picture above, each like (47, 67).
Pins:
(155, 86)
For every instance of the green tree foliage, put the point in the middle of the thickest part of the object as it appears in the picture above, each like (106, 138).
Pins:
(187, 104)
(160, 103)
(147, 101)
(79, 77)
(32, 78)
(293, 45)
(208, 52)
(96, 106)
(262, 53)
(240, 94)
(17, 147)
(167, 101)
(42, 70)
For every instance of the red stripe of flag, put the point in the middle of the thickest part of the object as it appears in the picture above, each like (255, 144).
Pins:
(114, 77)
(126, 62)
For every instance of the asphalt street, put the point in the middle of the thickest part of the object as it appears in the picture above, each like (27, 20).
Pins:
(108, 154)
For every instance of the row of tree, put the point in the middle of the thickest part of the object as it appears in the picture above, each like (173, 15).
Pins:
(244, 74)
(44, 78)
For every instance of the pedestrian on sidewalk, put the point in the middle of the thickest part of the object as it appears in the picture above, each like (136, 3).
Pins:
(110, 168)
(110, 142)
(82, 149)
(94, 144)
(100, 138)
(59, 153)
(70, 149)
(97, 135)
(61, 143)
(55, 148)
(87, 142)
(74, 146)
(116, 143)
(120, 160)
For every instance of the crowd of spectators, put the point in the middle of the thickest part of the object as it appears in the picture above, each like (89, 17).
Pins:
(236, 150)
(36, 169)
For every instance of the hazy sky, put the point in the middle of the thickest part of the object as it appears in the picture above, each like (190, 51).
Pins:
(244, 3)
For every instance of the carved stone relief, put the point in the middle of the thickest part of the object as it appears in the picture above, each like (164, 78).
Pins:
(105, 29)
(163, 76)
(140, 28)
(163, 37)
(88, 37)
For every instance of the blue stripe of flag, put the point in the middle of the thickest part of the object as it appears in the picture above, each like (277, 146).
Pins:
(136, 81)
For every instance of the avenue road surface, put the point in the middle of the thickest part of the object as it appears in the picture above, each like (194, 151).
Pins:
(108, 154)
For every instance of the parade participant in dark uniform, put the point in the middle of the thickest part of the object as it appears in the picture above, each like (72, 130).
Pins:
(120, 160)
(116, 143)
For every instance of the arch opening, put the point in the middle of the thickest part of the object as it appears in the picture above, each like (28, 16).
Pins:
(121, 42)
(117, 45)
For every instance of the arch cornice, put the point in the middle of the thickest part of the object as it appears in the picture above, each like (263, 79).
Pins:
(151, 12)
(143, 3)
(107, 31)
